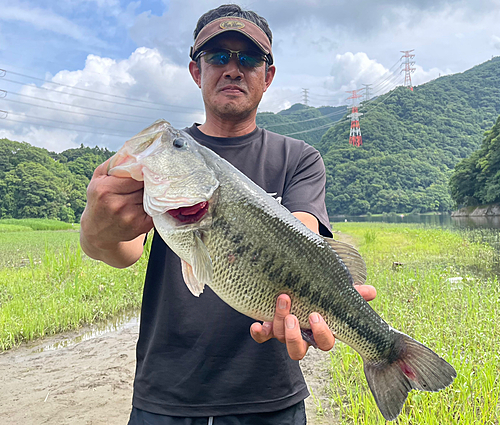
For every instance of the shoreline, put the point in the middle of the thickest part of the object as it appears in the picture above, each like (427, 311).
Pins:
(491, 210)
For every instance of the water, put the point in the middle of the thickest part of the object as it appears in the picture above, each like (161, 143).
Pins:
(439, 220)
(123, 320)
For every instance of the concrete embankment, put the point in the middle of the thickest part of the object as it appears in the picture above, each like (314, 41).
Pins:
(478, 211)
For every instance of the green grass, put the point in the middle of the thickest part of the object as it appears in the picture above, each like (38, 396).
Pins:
(459, 319)
(18, 248)
(57, 288)
(38, 224)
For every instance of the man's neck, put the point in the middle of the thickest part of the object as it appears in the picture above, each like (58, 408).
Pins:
(225, 128)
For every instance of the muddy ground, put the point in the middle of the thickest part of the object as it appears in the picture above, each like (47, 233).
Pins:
(85, 378)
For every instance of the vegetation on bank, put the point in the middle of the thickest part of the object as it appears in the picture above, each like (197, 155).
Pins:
(476, 179)
(412, 141)
(47, 285)
(445, 293)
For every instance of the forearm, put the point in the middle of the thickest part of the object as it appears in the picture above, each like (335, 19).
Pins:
(118, 254)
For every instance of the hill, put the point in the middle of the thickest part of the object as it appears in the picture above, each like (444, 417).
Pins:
(301, 121)
(412, 141)
(36, 183)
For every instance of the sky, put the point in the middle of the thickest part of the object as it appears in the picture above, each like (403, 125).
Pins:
(96, 72)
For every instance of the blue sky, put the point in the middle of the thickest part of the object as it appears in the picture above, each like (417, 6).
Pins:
(98, 71)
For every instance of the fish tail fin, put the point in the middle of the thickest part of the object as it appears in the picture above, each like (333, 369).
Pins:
(411, 365)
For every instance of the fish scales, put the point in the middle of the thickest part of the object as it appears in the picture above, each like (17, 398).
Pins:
(249, 249)
(317, 279)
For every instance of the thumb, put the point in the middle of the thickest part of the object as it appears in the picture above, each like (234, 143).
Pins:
(102, 170)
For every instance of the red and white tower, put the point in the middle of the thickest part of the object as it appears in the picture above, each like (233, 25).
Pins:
(408, 63)
(355, 133)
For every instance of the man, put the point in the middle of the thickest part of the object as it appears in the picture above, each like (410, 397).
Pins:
(196, 360)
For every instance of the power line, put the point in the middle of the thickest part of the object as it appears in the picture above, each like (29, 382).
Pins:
(5, 71)
(310, 119)
(62, 128)
(7, 113)
(102, 100)
(327, 126)
(73, 112)
(71, 105)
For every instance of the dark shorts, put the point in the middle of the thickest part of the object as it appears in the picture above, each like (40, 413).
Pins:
(294, 415)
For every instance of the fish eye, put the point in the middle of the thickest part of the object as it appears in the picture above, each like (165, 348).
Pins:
(179, 143)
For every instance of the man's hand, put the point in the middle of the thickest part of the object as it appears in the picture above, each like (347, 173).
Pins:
(114, 222)
(285, 327)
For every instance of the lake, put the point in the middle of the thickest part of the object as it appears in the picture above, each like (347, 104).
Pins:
(439, 220)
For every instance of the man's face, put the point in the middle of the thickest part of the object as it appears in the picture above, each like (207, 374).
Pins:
(231, 92)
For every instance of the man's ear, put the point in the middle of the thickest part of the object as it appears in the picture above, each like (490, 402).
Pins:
(195, 73)
(270, 76)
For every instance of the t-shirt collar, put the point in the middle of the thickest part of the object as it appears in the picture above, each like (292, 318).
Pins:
(224, 141)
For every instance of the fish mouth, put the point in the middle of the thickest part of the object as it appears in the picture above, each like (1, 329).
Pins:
(191, 214)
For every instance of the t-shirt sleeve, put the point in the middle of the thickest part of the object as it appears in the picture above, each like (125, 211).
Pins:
(305, 189)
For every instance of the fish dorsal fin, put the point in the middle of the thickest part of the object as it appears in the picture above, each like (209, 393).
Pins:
(351, 258)
(199, 271)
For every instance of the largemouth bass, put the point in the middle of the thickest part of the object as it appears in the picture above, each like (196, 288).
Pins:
(231, 235)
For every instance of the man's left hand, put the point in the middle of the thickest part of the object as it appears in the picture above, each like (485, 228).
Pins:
(285, 327)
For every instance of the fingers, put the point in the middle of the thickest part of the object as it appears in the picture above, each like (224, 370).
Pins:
(322, 333)
(295, 345)
(368, 292)
(283, 305)
(261, 332)
(286, 328)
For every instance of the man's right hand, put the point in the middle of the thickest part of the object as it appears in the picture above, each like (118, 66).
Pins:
(113, 224)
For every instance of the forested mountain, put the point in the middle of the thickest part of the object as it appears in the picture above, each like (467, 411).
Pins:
(476, 179)
(301, 121)
(412, 141)
(36, 183)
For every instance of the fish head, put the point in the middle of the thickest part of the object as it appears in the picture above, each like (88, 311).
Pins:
(178, 183)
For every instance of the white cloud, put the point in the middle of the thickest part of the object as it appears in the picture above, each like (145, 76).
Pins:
(146, 75)
(421, 76)
(351, 71)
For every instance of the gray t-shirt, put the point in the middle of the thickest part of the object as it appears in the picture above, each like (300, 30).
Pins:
(195, 356)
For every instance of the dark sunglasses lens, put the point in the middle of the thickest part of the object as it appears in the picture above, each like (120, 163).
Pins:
(217, 58)
(250, 60)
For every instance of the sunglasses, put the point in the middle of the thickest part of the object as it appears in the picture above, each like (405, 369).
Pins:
(248, 59)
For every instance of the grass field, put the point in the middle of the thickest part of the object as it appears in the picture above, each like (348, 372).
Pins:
(48, 286)
(446, 295)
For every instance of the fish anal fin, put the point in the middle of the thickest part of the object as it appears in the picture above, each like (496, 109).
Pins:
(413, 366)
(351, 258)
(195, 287)
(307, 336)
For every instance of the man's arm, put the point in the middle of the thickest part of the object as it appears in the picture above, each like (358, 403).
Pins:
(285, 326)
(114, 224)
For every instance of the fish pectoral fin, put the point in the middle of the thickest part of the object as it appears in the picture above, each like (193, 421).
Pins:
(201, 263)
(351, 258)
(194, 286)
